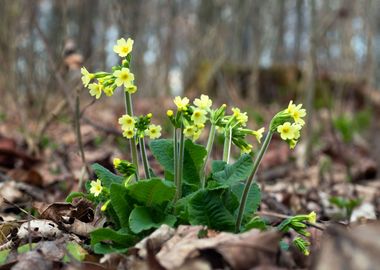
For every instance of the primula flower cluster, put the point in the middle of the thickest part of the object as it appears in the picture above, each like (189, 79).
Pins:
(121, 76)
(290, 131)
(139, 126)
(194, 118)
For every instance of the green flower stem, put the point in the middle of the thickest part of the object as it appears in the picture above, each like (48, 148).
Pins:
(180, 164)
(210, 143)
(227, 145)
(175, 156)
(132, 141)
(144, 158)
(247, 187)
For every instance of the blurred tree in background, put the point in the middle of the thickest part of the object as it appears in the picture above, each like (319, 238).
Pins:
(246, 51)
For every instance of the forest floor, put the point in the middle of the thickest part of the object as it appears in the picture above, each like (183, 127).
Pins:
(341, 185)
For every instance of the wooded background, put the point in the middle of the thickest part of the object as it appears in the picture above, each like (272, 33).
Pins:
(176, 40)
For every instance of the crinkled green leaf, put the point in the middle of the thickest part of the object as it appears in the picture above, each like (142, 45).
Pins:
(120, 204)
(194, 157)
(143, 218)
(206, 208)
(152, 191)
(106, 176)
(218, 165)
(236, 172)
(253, 200)
(256, 223)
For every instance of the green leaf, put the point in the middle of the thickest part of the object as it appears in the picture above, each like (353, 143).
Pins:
(218, 165)
(230, 200)
(76, 251)
(4, 255)
(142, 218)
(256, 223)
(119, 238)
(74, 195)
(193, 158)
(254, 197)
(152, 191)
(26, 248)
(163, 151)
(181, 208)
(236, 172)
(106, 176)
(120, 204)
(104, 248)
(206, 208)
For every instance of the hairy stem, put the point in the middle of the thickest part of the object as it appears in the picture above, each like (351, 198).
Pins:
(180, 164)
(175, 156)
(227, 145)
(210, 143)
(144, 158)
(247, 187)
(132, 141)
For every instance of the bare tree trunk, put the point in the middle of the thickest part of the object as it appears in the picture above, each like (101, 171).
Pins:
(257, 50)
(369, 62)
(169, 44)
(310, 84)
(298, 32)
(279, 54)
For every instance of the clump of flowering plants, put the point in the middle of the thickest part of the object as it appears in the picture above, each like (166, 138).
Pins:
(224, 198)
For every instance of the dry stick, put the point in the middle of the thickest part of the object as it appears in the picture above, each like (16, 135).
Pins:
(75, 108)
(47, 121)
(65, 89)
(79, 138)
(18, 207)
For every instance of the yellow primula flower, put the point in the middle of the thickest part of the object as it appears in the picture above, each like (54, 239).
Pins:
(169, 113)
(131, 89)
(297, 130)
(128, 133)
(95, 89)
(196, 134)
(241, 117)
(189, 131)
(86, 76)
(123, 47)
(153, 131)
(203, 103)
(287, 131)
(109, 90)
(96, 187)
(296, 112)
(116, 162)
(258, 134)
(124, 77)
(199, 117)
(181, 103)
(127, 122)
(292, 144)
(312, 217)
